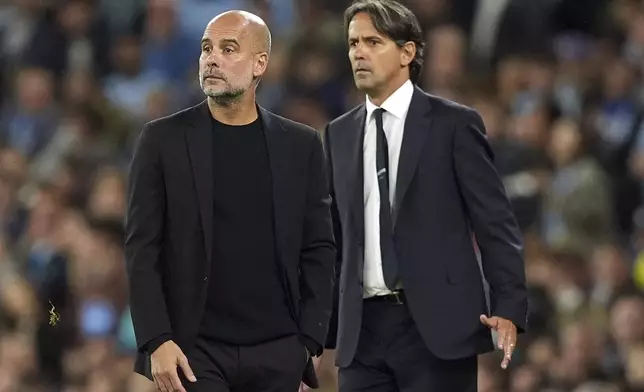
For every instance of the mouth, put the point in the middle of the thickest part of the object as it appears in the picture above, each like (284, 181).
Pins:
(362, 71)
(212, 77)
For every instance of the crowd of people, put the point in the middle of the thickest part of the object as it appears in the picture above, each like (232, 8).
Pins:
(559, 87)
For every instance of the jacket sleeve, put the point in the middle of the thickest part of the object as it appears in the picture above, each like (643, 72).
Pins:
(144, 235)
(332, 333)
(318, 251)
(492, 220)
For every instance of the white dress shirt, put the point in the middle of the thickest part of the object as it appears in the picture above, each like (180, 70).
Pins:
(395, 107)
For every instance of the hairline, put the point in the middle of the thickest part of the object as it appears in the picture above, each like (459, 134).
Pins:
(381, 11)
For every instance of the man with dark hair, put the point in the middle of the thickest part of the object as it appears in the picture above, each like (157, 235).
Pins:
(416, 201)
(229, 243)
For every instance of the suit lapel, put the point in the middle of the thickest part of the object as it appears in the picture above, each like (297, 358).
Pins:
(356, 165)
(417, 126)
(199, 141)
(278, 162)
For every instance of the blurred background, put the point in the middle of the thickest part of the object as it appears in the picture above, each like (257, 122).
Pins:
(559, 85)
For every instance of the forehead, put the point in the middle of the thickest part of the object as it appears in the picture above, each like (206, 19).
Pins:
(226, 28)
(362, 25)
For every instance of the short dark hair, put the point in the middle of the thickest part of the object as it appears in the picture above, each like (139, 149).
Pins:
(395, 21)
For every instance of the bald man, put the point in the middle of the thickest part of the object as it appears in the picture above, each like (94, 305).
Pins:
(230, 250)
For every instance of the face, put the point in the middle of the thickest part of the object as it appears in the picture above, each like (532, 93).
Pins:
(230, 58)
(76, 17)
(627, 320)
(565, 141)
(376, 60)
(127, 55)
(35, 89)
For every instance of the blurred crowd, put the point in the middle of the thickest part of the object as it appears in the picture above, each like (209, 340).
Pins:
(559, 84)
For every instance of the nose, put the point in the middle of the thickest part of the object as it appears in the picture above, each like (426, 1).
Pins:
(357, 52)
(212, 60)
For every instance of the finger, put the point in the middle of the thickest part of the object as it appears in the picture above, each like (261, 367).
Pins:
(500, 338)
(508, 351)
(185, 367)
(509, 334)
(503, 338)
(163, 383)
(488, 322)
(510, 344)
(158, 383)
(506, 359)
(508, 348)
(176, 383)
(505, 362)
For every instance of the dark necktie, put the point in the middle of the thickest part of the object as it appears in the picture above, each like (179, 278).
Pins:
(387, 250)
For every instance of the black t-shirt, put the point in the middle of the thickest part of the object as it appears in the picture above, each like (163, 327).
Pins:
(247, 301)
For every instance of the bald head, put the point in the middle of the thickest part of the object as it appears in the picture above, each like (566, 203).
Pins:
(249, 24)
(234, 55)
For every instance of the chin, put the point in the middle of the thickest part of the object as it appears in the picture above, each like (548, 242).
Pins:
(212, 92)
(363, 84)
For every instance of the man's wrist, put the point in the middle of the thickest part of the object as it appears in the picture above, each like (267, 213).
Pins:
(155, 343)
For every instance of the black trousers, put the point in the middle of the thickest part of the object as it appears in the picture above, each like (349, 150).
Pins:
(392, 357)
(275, 366)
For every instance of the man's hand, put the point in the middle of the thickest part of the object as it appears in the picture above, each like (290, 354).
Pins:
(165, 360)
(507, 333)
(316, 365)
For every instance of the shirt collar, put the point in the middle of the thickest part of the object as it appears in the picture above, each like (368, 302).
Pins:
(396, 104)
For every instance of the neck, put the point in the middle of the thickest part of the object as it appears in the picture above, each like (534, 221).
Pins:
(234, 112)
(377, 97)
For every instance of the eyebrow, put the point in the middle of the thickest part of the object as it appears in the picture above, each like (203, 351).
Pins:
(222, 41)
(366, 38)
(230, 41)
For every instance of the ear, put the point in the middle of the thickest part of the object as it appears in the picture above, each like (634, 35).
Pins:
(260, 64)
(407, 53)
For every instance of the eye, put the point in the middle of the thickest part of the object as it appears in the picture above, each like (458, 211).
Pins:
(206, 48)
(373, 42)
(229, 49)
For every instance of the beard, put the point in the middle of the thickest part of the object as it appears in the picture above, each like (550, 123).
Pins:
(225, 95)
(216, 92)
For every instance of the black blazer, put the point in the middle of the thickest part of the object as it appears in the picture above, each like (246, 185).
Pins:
(447, 190)
(169, 226)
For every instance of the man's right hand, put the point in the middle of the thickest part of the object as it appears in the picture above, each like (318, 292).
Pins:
(165, 360)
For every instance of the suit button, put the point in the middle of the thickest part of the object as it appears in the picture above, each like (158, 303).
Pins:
(205, 278)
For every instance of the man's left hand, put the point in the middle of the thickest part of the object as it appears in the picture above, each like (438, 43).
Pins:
(507, 336)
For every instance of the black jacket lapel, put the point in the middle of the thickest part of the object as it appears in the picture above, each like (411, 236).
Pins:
(278, 148)
(278, 162)
(199, 141)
